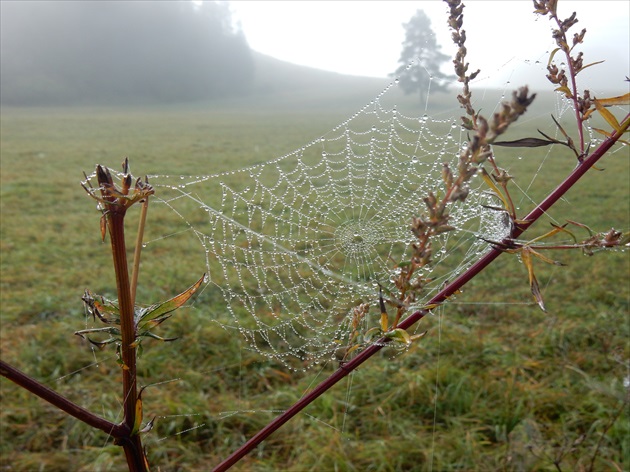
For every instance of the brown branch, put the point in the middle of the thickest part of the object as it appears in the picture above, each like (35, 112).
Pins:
(46, 393)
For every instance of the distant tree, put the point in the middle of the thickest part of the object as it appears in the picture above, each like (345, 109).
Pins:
(421, 48)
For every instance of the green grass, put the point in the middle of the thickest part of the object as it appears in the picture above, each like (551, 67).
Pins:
(516, 388)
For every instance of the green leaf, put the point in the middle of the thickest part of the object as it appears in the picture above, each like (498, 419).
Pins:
(372, 333)
(160, 309)
(399, 335)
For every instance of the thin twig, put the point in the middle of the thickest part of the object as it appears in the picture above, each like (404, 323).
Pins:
(135, 269)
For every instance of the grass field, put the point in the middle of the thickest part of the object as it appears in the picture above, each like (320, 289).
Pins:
(517, 389)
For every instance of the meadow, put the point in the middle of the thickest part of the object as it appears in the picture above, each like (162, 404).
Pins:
(517, 389)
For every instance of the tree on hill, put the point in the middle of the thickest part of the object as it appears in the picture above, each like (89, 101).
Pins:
(56, 52)
(421, 48)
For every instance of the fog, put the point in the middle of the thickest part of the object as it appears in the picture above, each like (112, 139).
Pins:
(111, 52)
(505, 39)
(140, 52)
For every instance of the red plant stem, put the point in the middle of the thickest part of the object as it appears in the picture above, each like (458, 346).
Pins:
(444, 294)
(132, 445)
(127, 323)
(27, 382)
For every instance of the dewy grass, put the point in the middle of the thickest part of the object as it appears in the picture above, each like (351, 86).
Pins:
(515, 388)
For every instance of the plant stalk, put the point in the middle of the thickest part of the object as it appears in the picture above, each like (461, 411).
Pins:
(443, 295)
(131, 444)
(135, 270)
(45, 393)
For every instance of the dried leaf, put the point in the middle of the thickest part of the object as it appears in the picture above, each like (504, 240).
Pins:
(581, 225)
(564, 133)
(620, 100)
(545, 258)
(556, 229)
(533, 283)
(103, 223)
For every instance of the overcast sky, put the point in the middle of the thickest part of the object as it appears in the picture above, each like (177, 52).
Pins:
(505, 38)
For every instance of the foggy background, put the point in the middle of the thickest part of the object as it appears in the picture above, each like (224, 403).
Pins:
(112, 52)
(154, 52)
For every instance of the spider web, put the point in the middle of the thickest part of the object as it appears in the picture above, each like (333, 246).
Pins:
(293, 244)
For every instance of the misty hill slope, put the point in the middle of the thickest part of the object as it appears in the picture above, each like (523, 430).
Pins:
(284, 87)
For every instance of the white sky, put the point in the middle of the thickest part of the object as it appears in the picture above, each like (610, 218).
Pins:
(364, 37)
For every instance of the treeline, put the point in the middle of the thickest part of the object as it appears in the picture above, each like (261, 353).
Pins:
(85, 52)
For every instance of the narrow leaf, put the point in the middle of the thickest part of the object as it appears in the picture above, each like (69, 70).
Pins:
(553, 53)
(103, 227)
(582, 225)
(149, 426)
(174, 303)
(587, 65)
(418, 336)
(545, 258)
(488, 180)
(620, 100)
(524, 142)
(149, 334)
(154, 322)
(384, 321)
(609, 117)
(138, 417)
(533, 283)
(564, 133)
(608, 135)
(352, 349)
(384, 317)
(556, 229)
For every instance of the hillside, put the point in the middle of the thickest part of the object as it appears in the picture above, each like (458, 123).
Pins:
(285, 87)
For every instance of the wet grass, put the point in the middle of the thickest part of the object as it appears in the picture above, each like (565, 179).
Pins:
(497, 384)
